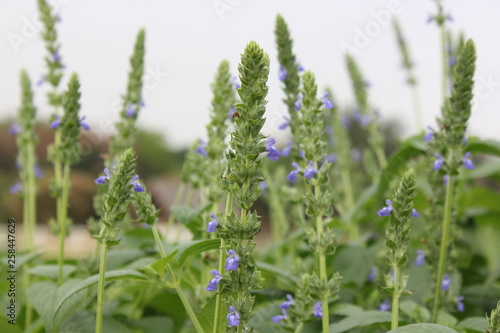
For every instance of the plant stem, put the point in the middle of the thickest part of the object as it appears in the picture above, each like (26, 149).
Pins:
(243, 219)
(299, 328)
(322, 268)
(222, 258)
(395, 299)
(382, 160)
(100, 288)
(177, 200)
(188, 202)
(159, 245)
(278, 222)
(62, 219)
(444, 247)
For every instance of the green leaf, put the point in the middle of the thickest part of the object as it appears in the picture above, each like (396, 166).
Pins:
(159, 266)
(361, 319)
(423, 328)
(355, 262)
(491, 147)
(168, 302)
(206, 316)
(345, 309)
(478, 324)
(444, 318)
(191, 218)
(262, 320)
(488, 234)
(46, 294)
(119, 257)
(52, 271)
(5, 327)
(415, 311)
(125, 274)
(84, 322)
(188, 249)
(277, 272)
(153, 324)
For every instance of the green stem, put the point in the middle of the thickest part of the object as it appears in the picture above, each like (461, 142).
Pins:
(159, 245)
(395, 299)
(382, 160)
(278, 222)
(222, 258)
(62, 221)
(322, 269)
(188, 202)
(299, 328)
(444, 247)
(243, 219)
(100, 288)
(177, 200)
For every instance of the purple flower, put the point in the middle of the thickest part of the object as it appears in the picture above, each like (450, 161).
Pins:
(56, 56)
(419, 261)
(56, 122)
(445, 179)
(41, 80)
(452, 61)
(429, 134)
(263, 187)
(467, 162)
(288, 149)
(277, 319)
(446, 282)
(297, 105)
(272, 152)
(438, 163)
(391, 274)
(84, 125)
(384, 306)
(460, 304)
(318, 310)
(136, 185)
(292, 176)
(414, 213)
(331, 158)
(37, 171)
(282, 73)
(212, 225)
(201, 149)
(233, 318)
(300, 68)
(310, 171)
(130, 110)
(232, 262)
(235, 82)
(141, 103)
(326, 102)
(363, 120)
(16, 188)
(287, 304)
(373, 274)
(284, 124)
(302, 154)
(212, 285)
(386, 211)
(14, 129)
(102, 179)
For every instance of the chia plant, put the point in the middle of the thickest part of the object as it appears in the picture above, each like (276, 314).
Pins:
(400, 210)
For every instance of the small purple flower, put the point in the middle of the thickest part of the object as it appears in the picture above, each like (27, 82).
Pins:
(232, 262)
(41, 80)
(373, 274)
(300, 68)
(56, 56)
(137, 187)
(130, 110)
(14, 129)
(386, 211)
(277, 319)
(16, 188)
(331, 158)
(318, 310)
(310, 171)
(326, 102)
(391, 274)
(56, 122)
(460, 304)
(419, 261)
(446, 178)
(363, 120)
(231, 112)
(414, 213)
(141, 103)
(272, 152)
(102, 179)
(287, 304)
(201, 149)
(233, 318)
(384, 306)
(429, 134)
(438, 163)
(446, 282)
(212, 225)
(37, 171)
(284, 124)
(212, 285)
(292, 176)
(263, 187)
(467, 161)
(297, 105)
(288, 149)
(302, 154)
(452, 60)
(84, 125)
(282, 73)
(235, 82)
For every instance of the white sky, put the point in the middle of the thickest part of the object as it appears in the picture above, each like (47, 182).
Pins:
(186, 40)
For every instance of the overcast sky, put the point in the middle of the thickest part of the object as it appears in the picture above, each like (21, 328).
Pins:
(186, 40)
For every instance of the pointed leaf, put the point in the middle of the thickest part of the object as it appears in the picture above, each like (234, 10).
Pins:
(188, 249)
(423, 328)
